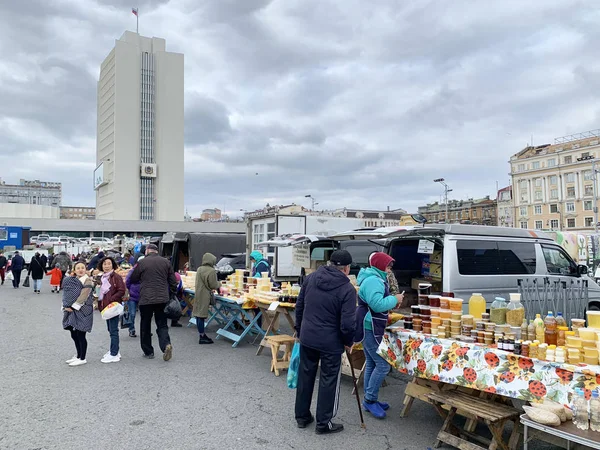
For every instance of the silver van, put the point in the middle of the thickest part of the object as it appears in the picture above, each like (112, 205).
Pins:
(459, 260)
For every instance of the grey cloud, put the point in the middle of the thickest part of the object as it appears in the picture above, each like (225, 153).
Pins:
(206, 120)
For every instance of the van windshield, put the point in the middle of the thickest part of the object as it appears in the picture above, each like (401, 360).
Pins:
(495, 258)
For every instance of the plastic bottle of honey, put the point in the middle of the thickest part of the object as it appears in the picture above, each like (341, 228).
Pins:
(476, 306)
(531, 331)
(560, 320)
(539, 328)
(550, 334)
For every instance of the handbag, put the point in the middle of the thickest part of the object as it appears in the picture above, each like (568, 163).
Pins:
(26, 282)
(173, 309)
(292, 375)
(114, 309)
(10, 276)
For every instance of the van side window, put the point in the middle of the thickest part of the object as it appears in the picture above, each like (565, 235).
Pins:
(360, 253)
(558, 262)
(495, 258)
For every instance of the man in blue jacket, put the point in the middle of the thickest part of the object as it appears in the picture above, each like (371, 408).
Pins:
(325, 313)
(16, 267)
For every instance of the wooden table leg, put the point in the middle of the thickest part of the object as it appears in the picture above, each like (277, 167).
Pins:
(515, 436)
(497, 440)
(263, 343)
(447, 423)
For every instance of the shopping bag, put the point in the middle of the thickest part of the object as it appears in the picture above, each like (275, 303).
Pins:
(292, 375)
(112, 310)
(26, 282)
(10, 276)
(173, 309)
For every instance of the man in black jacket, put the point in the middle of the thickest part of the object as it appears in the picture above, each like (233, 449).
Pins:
(158, 283)
(3, 263)
(325, 323)
(16, 267)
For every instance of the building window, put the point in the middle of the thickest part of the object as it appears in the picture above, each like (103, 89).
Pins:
(568, 159)
(551, 162)
(523, 184)
(538, 182)
(554, 193)
(553, 180)
(553, 208)
(538, 224)
(521, 168)
(587, 175)
(570, 223)
(538, 209)
(554, 224)
(538, 195)
(585, 155)
(524, 224)
(570, 177)
(524, 198)
(588, 190)
(570, 207)
(523, 210)
(571, 192)
(589, 222)
(535, 165)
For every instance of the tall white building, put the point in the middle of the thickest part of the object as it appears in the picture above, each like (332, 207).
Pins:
(139, 147)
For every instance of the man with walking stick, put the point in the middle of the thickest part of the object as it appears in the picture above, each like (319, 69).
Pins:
(325, 322)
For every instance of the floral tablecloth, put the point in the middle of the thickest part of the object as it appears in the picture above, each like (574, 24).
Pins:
(485, 368)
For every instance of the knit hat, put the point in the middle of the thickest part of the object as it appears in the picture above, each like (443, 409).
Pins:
(152, 247)
(380, 260)
(341, 258)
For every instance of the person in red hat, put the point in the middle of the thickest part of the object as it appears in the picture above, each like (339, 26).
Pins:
(374, 302)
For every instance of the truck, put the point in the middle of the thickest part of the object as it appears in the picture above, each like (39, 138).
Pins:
(263, 228)
(189, 248)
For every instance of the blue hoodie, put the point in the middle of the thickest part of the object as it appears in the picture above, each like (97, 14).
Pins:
(260, 264)
(373, 289)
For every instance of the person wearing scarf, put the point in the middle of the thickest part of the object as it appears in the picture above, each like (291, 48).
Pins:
(112, 289)
(78, 307)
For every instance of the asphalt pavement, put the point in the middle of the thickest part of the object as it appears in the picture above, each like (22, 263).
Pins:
(206, 397)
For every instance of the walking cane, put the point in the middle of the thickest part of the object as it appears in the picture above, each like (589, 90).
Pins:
(362, 420)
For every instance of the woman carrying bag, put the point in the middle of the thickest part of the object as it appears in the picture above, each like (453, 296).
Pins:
(37, 272)
(206, 283)
(112, 289)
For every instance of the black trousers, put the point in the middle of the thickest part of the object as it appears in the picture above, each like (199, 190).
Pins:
(80, 342)
(17, 277)
(162, 328)
(329, 385)
(63, 272)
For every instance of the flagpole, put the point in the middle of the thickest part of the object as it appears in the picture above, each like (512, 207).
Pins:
(137, 21)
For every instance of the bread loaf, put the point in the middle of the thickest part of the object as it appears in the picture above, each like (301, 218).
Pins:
(542, 416)
(553, 407)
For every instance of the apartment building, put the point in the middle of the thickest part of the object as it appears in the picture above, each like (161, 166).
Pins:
(78, 212)
(506, 207)
(31, 192)
(211, 214)
(553, 184)
(482, 211)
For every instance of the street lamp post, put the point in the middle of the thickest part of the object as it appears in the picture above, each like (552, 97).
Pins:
(312, 200)
(446, 190)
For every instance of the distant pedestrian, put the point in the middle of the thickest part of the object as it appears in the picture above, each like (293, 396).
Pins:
(158, 284)
(93, 264)
(132, 303)
(260, 266)
(206, 284)
(179, 294)
(3, 264)
(64, 263)
(51, 260)
(325, 314)
(44, 261)
(55, 278)
(78, 316)
(16, 267)
(36, 271)
(374, 302)
(112, 289)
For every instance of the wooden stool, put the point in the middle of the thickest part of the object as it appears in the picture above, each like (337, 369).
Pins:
(276, 342)
(494, 415)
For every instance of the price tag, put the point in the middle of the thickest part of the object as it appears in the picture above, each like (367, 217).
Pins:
(425, 247)
(273, 306)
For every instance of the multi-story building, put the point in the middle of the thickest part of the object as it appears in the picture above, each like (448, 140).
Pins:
(373, 218)
(553, 184)
(139, 148)
(211, 215)
(77, 212)
(31, 192)
(481, 211)
(506, 207)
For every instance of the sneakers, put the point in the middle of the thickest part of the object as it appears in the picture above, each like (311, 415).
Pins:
(168, 353)
(108, 354)
(330, 429)
(132, 334)
(78, 362)
(375, 409)
(385, 406)
(305, 423)
(176, 325)
(73, 359)
(150, 356)
(204, 339)
(111, 359)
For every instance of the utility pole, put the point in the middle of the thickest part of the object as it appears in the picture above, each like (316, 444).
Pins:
(446, 190)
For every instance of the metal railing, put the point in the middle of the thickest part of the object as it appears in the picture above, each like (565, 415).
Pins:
(540, 295)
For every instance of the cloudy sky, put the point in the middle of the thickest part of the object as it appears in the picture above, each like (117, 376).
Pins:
(361, 104)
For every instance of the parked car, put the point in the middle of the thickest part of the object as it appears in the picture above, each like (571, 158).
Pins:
(50, 242)
(100, 241)
(229, 263)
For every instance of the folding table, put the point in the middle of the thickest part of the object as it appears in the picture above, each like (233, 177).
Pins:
(239, 314)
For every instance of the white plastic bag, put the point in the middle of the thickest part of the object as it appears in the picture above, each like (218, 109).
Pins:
(10, 276)
(113, 310)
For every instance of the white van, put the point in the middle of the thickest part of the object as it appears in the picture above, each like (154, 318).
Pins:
(459, 260)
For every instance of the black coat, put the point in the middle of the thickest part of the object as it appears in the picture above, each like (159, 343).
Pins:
(18, 263)
(325, 311)
(44, 261)
(157, 280)
(36, 269)
(3, 261)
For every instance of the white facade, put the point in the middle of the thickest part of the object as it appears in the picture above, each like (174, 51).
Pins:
(28, 211)
(140, 131)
